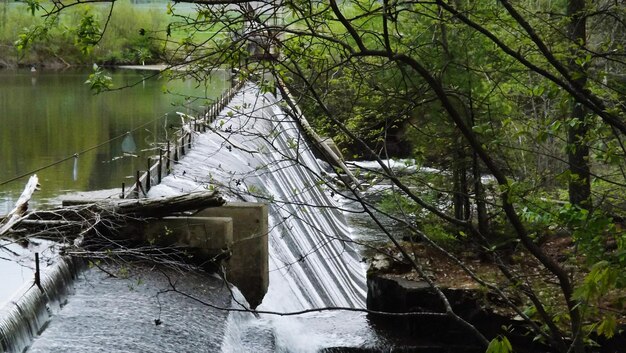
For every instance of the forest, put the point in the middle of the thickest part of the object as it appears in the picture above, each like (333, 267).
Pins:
(517, 104)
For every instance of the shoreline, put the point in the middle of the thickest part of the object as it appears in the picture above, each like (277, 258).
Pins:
(149, 67)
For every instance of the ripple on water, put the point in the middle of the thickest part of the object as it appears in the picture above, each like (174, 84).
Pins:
(118, 315)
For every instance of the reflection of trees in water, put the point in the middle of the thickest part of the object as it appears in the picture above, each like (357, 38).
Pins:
(59, 117)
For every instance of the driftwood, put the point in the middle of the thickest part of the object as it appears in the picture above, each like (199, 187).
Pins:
(21, 206)
(106, 228)
(79, 217)
(153, 207)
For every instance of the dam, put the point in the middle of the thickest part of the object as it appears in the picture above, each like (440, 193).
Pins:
(254, 152)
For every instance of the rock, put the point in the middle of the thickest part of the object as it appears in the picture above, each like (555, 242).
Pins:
(382, 263)
(394, 294)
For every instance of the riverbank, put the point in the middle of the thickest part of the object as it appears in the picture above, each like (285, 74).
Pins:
(393, 286)
(133, 36)
(57, 63)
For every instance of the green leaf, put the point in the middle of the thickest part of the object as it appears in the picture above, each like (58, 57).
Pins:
(607, 326)
(98, 81)
(87, 33)
(33, 6)
(499, 344)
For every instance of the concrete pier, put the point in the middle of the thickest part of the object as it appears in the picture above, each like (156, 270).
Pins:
(248, 266)
(209, 237)
(234, 235)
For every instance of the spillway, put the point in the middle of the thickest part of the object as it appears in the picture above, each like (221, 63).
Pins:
(255, 152)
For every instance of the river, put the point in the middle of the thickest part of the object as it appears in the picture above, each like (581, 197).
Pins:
(311, 264)
(49, 116)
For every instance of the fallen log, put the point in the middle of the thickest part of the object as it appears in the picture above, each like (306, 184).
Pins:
(154, 207)
(115, 229)
(21, 206)
(82, 215)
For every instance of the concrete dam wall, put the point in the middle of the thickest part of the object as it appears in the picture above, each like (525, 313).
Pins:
(290, 240)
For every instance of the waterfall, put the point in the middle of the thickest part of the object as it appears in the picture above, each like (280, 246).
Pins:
(256, 153)
(32, 308)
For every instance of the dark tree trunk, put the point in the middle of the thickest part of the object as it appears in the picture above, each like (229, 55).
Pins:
(460, 190)
(479, 192)
(460, 199)
(578, 150)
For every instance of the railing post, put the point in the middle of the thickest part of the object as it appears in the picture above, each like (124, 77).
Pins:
(37, 273)
(160, 166)
(169, 152)
(189, 141)
(123, 190)
(137, 183)
(148, 176)
(176, 150)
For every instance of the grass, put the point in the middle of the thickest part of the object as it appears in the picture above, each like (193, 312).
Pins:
(121, 43)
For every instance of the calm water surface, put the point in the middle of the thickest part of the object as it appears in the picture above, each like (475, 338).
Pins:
(48, 116)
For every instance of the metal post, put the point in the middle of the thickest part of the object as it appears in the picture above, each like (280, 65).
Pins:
(137, 184)
(37, 273)
(160, 166)
(123, 190)
(148, 176)
(167, 165)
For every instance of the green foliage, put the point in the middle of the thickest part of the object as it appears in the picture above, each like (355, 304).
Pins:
(33, 6)
(30, 35)
(88, 33)
(98, 81)
(595, 292)
(598, 282)
(77, 35)
(499, 344)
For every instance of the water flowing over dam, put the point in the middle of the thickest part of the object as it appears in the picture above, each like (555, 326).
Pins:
(255, 153)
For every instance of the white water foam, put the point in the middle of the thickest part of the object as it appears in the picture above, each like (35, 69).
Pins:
(257, 153)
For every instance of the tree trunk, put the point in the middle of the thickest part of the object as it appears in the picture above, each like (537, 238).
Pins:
(5, 3)
(461, 202)
(577, 149)
(155, 207)
(460, 199)
(479, 193)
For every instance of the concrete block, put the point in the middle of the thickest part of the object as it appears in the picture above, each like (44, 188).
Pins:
(208, 236)
(248, 267)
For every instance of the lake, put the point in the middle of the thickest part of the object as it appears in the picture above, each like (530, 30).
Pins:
(49, 116)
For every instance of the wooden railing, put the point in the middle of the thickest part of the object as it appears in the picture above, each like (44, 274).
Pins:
(158, 167)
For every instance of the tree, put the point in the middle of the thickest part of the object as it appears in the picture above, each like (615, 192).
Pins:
(578, 151)
(478, 82)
